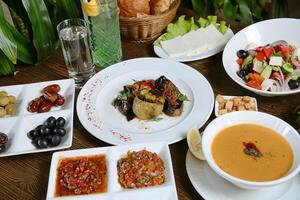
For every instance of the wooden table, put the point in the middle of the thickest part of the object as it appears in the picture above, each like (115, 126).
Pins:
(26, 176)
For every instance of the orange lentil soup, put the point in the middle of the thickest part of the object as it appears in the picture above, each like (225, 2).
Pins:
(252, 152)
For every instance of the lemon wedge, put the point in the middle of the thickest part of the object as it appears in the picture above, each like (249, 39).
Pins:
(194, 143)
(91, 8)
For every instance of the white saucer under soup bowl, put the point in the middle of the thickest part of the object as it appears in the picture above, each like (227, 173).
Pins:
(257, 118)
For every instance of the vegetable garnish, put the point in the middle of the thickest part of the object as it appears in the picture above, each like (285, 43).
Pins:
(251, 150)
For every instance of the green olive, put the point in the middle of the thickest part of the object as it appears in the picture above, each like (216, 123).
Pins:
(4, 101)
(145, 110)
(3, 94)
(10, 109)
(12, 99)
(2, 112)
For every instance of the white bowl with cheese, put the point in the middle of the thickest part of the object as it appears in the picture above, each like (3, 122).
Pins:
(261, 33)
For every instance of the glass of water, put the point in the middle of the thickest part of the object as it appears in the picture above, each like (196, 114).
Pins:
(74, 38)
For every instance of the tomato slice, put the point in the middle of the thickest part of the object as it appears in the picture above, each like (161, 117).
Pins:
(284, 49)
(254, 84)
(268, 50)
(240, 61)
(256, 77)
(260, 56)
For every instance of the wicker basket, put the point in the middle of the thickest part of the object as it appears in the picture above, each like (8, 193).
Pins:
(146, 28)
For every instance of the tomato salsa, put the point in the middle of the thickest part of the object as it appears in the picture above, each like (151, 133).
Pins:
(141, 169)
(81, 175)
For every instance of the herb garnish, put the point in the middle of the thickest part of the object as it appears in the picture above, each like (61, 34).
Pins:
(183, 98)
(251, 150)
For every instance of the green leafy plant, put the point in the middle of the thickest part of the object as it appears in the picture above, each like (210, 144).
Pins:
(30, 36)
(245, 11)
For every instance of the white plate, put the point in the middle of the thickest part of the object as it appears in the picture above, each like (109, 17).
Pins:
(17, 126)
(231, 97)
(101, 119)
(211, 186)
(162, 54)
(166, 191)
(261, 33)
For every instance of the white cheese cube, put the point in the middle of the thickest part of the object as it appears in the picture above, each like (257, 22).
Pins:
(276, 61)
(297, 53)
(258, 66)
(252, 45)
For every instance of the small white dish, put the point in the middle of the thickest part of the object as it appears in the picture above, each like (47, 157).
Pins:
(259, 118)
(218, 48)
(211, 186)
(261, 33)
(17, 126)
(166, 191)
(99, 117)
(231, 97)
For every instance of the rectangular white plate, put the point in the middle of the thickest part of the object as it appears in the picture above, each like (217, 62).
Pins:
(166, 191)
(17, 126)
(230, 97)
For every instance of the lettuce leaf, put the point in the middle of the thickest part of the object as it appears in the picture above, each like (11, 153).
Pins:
(179, 28)
(183, 26)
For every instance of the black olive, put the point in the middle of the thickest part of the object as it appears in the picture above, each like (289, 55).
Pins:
(45, 130)
(242, 53)
(42, 143)
(55, 130)
(49, 138)
(60, 122)
(61, 132)
(241, 73)
(35, 141)
(38, 128)
(293, 84)
(32, 134)
(2, 148)
(56, 139)
(3, 138)
(51, 121)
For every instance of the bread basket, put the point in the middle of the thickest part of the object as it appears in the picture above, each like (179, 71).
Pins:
(141, 29)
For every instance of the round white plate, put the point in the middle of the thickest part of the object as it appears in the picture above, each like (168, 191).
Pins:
(101, 119)
(219, 47)
(261, 33)
(211, 186)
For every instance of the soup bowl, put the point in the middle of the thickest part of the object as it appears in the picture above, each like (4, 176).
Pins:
(256, 118)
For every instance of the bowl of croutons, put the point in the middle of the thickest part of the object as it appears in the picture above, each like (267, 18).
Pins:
(228, 104)
(144, 20)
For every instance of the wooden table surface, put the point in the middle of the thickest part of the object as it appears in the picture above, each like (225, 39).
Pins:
(26, 176)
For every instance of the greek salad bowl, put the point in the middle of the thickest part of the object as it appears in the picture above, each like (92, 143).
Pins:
(265, 57)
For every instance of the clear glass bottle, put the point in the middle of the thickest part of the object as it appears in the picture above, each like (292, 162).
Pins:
(103, 19)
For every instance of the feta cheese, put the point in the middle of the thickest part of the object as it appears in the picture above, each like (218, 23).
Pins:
(276, 61)
(175, 47)
(258, 66)
(212, 36)
(195, 41)
(297, 53)
(252, 45)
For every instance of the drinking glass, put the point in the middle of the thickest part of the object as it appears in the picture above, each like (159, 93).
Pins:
(74, 38)
(102, 17)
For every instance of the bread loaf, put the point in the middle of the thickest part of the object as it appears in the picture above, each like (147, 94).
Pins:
(133, 8)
